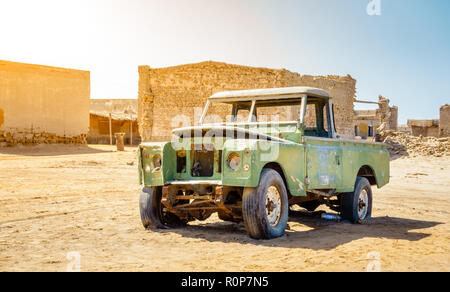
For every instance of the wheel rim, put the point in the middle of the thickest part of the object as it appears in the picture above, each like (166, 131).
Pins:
(363, 204)
(273, 205)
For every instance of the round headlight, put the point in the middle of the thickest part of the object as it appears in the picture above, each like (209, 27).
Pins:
(156, 161)
(234, 161)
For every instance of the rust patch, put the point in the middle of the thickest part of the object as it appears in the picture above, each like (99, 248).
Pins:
(2, 119)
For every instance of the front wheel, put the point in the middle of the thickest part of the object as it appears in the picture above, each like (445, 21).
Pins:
(357, 206)
(265, 208)
(153, 213)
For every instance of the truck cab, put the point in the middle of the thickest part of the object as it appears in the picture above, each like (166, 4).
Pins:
(255, 153)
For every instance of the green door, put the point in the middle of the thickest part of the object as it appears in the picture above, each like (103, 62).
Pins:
(323, 163)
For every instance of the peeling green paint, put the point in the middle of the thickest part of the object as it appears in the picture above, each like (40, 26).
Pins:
(327, 163)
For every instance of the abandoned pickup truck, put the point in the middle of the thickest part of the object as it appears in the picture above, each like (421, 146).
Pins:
(254, 154)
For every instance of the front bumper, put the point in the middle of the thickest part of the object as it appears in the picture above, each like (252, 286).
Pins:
(195, 182)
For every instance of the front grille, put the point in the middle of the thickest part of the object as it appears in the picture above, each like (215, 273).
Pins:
(202, 161)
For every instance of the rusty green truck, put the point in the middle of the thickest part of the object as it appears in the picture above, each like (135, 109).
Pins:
(255, 153)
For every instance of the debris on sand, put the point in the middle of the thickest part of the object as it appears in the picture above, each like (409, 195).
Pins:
(407, 145)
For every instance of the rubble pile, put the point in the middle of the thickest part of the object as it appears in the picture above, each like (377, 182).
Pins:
(30, 138)
(407, 145)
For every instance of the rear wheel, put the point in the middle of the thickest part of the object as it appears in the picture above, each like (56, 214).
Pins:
(153, 213)
(357, 206)
(265, 208)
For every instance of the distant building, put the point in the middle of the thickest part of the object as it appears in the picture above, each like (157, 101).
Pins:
(366, 123)
(123, 120)
(425, 128)
(432, 128)
(42, 104)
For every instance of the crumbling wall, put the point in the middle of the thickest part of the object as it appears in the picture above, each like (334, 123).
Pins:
(393, 122)
(425, 128)
(388, 115)
(41, 104)
(175, 96)
(444, 121)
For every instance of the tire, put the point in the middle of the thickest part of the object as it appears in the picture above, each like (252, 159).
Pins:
(357, 206)
(310, 205)
(151, 209)
(260, 222)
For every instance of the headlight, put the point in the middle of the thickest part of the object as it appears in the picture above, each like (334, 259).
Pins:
(156, 162)
(234, 161)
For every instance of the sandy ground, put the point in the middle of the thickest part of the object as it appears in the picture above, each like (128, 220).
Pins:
(63, 199)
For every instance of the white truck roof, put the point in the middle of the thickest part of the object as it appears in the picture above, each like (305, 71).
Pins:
(269, 93)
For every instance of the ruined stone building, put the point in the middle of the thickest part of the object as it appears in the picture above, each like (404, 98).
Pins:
(368, 121)
(123, 120)
(165, 93)
(42, 104)
(432, 128)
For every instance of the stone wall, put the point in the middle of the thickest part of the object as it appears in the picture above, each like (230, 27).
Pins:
(182, 91)
(444, 121)
(41, 104)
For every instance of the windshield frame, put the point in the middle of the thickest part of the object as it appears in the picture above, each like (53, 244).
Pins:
(254, 106)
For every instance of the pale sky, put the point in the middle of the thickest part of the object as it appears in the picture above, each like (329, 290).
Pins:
(403, 54)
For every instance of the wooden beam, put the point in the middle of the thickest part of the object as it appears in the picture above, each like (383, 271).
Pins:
(365, 101)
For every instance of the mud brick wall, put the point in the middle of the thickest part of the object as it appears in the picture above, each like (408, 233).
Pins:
(41, 104)
(444, 121)
(182, 91)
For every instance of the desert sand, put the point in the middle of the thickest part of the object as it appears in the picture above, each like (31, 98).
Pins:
(56, 200)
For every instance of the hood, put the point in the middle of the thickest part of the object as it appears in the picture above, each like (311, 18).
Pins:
(231, 132)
